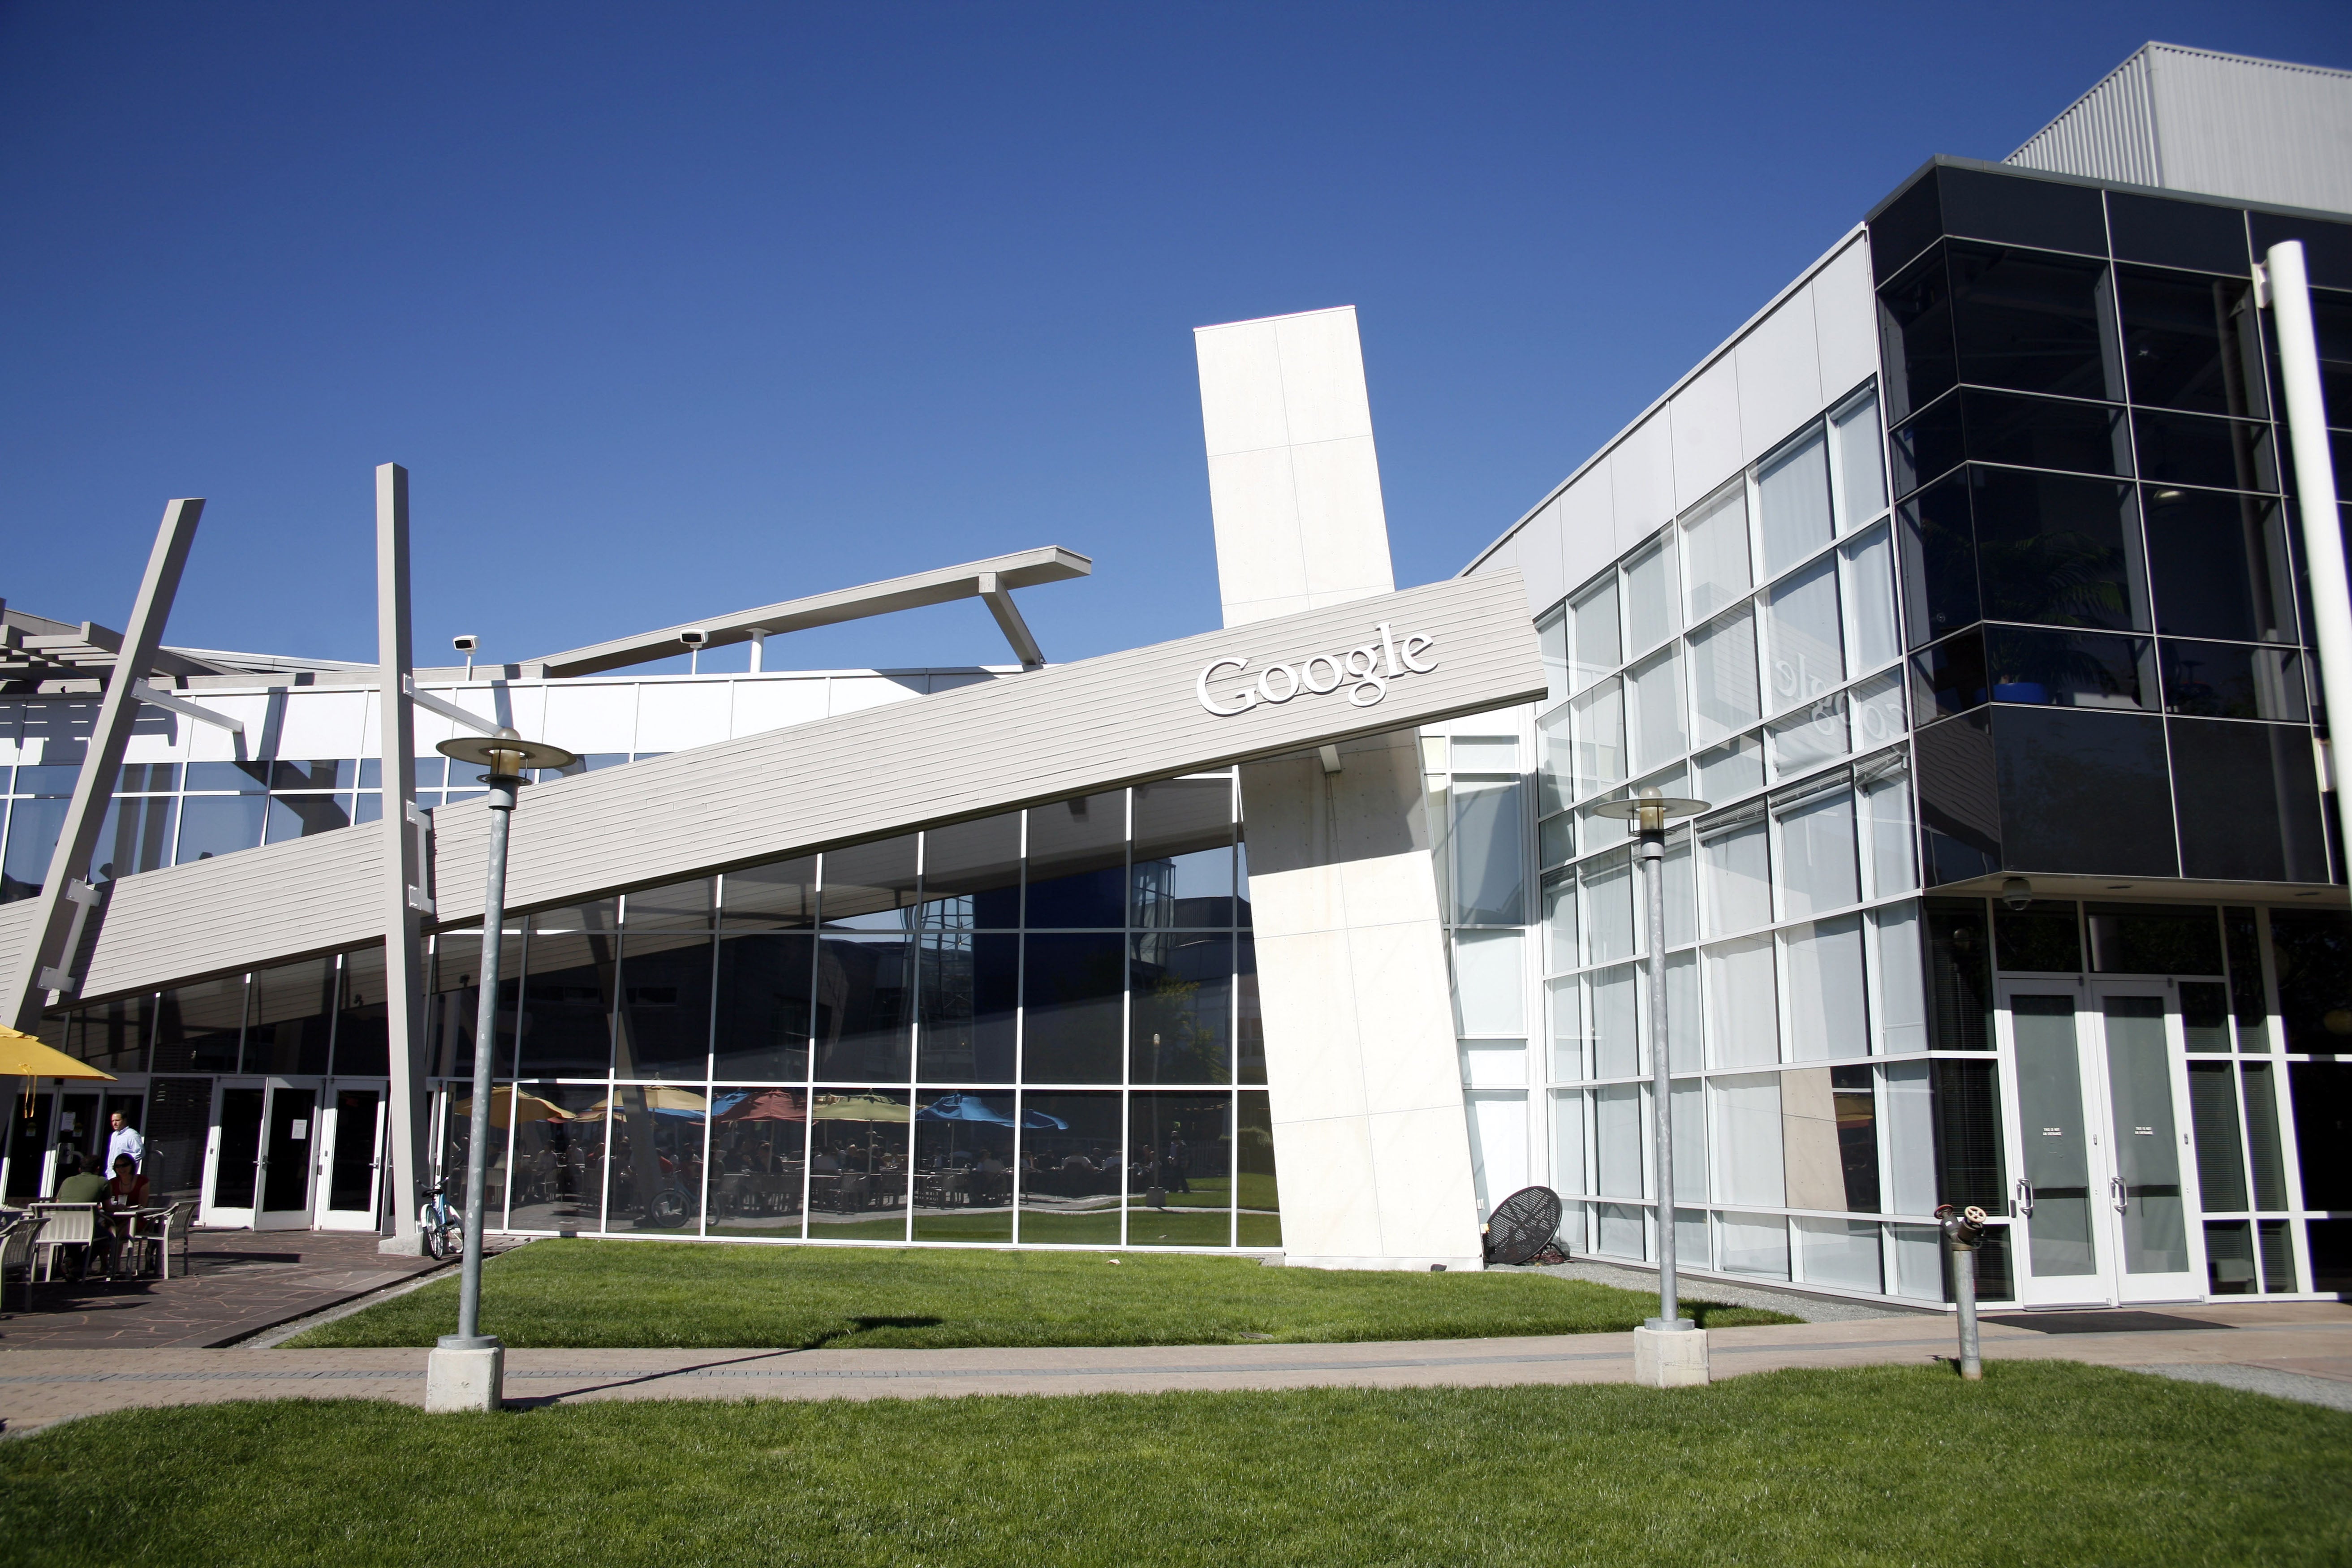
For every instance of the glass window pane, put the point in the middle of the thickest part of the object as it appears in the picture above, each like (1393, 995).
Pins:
(1570, 1057)
(2313, 951)
(135, 835)
(1731, 770)
(1876, 711)
(1556, 767)
(2084, 791)
(1180, 1157)
(1073, 989)
(1887, 837)
(2190, 450)
(970, 985)
(1181, 1008)
(1650, 597)
(964, 1166)
(761, 1028)
(1817, 866)
(1724, 696)
(1749, 1165)
(290, 1016)
(1560, 922)
(1792, 490)
(1685, 1033)
(1599, 739)
(2033, 322)
(1618, 1138)
(971, 875)
(2058, 550)
(1715, 553)
(1808, 738)
(864, 1007)
(1489, 984)
(681, 906)
(1073, 1167)
(1077, 862)
(1616, 1039)
(1258, 1204)
(1182, 869)
(210, 824)
(1900, 1001)
(1873, 635)
(1488, 860)
(664, 1021)
(858, 1153)
(2220, 1156)
(362, 1037)
(1840, 1252)
(575, 957)
(1551, 638)
(1743, 1025)
(1826, 1017)
(2225, 680)
(1568, 1174)
(2263, 1137)
(1939, 559)
(1736, 886)
(2191, 342)
(1800, 622)
(2218, 565)
(1592, 617)
(1860, 463)
(781, 895)
(1681, 892)
(1608, 909)
(1657, 691)
(2069, 670)
(871, 886)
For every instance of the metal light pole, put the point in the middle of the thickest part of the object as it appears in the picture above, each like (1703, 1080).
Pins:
(466, 1368)
(1660, 1366)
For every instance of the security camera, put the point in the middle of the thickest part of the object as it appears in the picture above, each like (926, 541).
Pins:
(695, 637)
(466, 644)
(2016, 895)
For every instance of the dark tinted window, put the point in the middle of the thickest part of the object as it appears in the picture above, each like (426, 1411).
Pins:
(2042, 938)
(2154, 939)
(2313, 951)
(567, 1001)
(1914, 327)
(1959, 976)
(2231, 680)
(2002, 427)
(1075, 987)
(2249, 802)
(2060, 550)
(1949, 676)
(2177, 234)
(1959, 808)
(2032, 322)
(971, 985)
(1940, 567)
(2019, 209)
(2084, 791)
(2069, 670)
(865, 1005)
(664, 1027)
(2326, 247)
(2331, 320)
(2218, 567)
(1906, 226)
(762, 1029)
(2191, 342)
(2190, 450)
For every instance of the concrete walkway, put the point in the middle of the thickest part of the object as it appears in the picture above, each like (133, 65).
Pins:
(2293, 1346)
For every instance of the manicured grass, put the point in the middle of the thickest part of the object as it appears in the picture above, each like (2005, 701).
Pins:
(2041, 1463)
(700, 1295)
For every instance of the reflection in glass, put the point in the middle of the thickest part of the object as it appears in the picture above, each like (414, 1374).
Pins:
(2220, 566)
(871, 886)
(1077, 862)
(970, 987)
(2249, 801)
(301, 815)
(1939, 564)
(1071, 1175)
(780, 896)
(761, 1032)
(654, 1136)
(290, 1019)
(1181, 1008)
(197, 1027)
(681, 906)
(1809, 737)
(1488, 860)
(1800, 624)
(2042, 938)
(1073, 985)
(663, 1024)
(1793, 499)
(1715, 552)
(2084, 791)
(1257, 1194)
(2190, 449)
(2153, 939)
(1183, 873)
(2069, 670)
(971, 875)
(2191, 342)
(210, 824)
(964, 1166)
(567, 999)
(2033, 322)
(864, 1006)
(136, 837)
(859, 1157)
(556, 1135)
(1179, 1191)
(2313, 951)
(2057, 550)
(1651, 600)
(2225, 681)
(758, 1161)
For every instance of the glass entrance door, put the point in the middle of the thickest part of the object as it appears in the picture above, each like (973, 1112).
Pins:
(233, 1160)
(287, 1159)
(259, 1169)
(350, 1159)
(2102, 1201)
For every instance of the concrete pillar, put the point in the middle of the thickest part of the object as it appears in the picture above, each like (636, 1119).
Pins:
(1371, 1146)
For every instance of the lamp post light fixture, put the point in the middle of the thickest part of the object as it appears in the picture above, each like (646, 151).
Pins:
(1669, 1350)
(466, 1369)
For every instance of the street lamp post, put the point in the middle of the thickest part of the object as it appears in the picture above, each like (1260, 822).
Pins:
(1669, 1350)
(466, 1369)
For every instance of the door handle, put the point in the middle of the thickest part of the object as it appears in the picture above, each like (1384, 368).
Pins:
(2121, 1193)
(2025, 1197)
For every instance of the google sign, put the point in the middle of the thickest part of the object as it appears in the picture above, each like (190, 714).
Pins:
(1364, 671)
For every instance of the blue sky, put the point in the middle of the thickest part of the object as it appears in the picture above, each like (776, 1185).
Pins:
(677, 310)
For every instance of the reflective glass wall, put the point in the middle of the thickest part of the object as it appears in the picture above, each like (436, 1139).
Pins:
(1040, 1027)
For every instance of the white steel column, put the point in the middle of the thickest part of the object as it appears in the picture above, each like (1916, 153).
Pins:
(405, 892)
(1371, 1146)
(2314, 484)
(63, 903)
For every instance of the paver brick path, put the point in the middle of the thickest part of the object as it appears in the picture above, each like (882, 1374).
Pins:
(2290, 1341)
(243, 1281)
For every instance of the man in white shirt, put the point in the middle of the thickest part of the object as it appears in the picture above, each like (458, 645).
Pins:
(124, 1140)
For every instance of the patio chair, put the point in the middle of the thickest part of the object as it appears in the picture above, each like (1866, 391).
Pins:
(16, 1254)
(156, 1233)
(64, 1226)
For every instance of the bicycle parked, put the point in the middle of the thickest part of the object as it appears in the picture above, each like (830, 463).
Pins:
(444, 1228)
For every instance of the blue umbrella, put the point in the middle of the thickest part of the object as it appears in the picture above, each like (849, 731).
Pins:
(972, 1107)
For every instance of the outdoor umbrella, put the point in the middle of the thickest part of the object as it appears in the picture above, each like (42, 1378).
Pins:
(662, 1101)
(23, 1055)
(860, 1108)
(507, 1105)
(972, 1107)
(768, 1105)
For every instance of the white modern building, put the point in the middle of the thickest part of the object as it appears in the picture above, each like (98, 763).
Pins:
(1967, 582)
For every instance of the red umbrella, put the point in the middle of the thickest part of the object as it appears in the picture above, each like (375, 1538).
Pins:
(768, 1105)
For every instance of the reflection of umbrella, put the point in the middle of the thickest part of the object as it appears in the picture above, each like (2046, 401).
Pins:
(768, 1105)
(23, 1055)
(506, 1103)
(674, 1102)
(972, 1107)
(860, 1108)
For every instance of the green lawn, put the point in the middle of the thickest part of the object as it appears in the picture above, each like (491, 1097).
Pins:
(696, 1294)
(2041, 1463)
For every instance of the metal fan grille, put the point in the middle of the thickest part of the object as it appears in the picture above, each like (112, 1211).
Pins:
(1522, 1224)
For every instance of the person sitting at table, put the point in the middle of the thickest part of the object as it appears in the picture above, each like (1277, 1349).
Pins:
(128, 1190)
(824, 1165)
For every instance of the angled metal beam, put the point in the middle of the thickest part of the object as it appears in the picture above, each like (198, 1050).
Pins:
(1024, 569)
(999, 600)
(63, 892)
(156, 697)
(449, 711)
(402, 896)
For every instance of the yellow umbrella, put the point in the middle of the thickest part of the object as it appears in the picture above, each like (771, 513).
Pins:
(860, 1108)
(506, 1105)
(23, 1055)
(655, 1098)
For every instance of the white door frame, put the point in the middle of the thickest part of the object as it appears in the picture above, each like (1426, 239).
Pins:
(303, 1150)
(2187, 1284)
(209, 1211)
